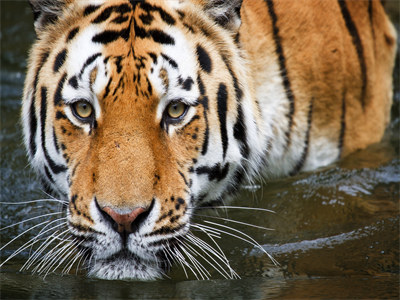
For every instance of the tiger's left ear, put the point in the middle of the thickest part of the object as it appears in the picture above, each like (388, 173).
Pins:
(225, 12)
(46, 12)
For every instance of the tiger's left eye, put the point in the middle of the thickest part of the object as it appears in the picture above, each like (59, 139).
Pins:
(83, 110)
(176, 110)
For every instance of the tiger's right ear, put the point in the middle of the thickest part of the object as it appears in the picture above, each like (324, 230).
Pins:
(46, 12)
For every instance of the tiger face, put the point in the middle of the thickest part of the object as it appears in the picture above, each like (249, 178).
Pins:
(122, 102)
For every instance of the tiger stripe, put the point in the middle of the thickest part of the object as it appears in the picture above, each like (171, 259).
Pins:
(342, 126)
(304, 153)
(32, 112)
(283, 69)
(355, 36)
(55, 168)
(222, 98)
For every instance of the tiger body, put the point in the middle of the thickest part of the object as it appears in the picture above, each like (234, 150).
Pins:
(279, 88)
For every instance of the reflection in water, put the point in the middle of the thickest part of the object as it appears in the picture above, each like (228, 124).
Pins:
(336, 222)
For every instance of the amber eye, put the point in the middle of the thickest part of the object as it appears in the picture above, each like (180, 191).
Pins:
(176, 110)
(83, 110)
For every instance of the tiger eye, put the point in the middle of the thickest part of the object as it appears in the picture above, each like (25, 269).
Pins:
(83, 109)
(176, 110)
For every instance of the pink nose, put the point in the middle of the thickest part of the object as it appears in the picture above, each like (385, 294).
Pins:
(125, 221)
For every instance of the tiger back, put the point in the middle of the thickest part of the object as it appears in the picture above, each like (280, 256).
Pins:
(140, 112)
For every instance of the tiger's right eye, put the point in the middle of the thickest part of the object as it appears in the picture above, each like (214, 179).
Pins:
(83, 110)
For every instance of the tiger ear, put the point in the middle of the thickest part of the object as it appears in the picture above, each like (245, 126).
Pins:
(46, 12)
(225, 12)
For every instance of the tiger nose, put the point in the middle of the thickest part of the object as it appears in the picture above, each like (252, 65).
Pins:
(124, 222)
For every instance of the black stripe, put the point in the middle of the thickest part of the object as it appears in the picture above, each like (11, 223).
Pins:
(146, 18)
(109, 36)
(239, 132)
(32, 125)
(282, 67)
(72, 33)
(60, 115)
(120, 19)
(48, 175)
(161, 37)
(73, 81)
(222, 98)
(166, 17)
(149, 87)
(32, 112)
(166, 230)
(117, 62)
(371, 17)
(304, 154)
(216, 172)
(204, 102)
(60, 59)
(55, 141)
(58, 94)
(53, 166)
(88, 62)
(239, 127)
(204, 148)
(184, 178)
(342, 126)
(195, 117)
(351, 27)
(105, 14)
(157, 35)
(90, 9)
(170, 61)
(107, 90)
(204, 59)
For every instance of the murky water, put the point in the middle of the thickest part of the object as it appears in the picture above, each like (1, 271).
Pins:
(336, 230)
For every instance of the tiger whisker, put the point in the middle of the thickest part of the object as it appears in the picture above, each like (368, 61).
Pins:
(199, 267)
(205, 246)
(26, 245)
(223, 257)
(30, 219)
(179, 259)
(19, 250)
(53, 254)
(250, 241)
(183, 262)
(72, 261)
(81, 262)
(220, 270)
(219, 254)
(57, 254)
(35, 201)
(38, 251)
(52, 259)
(237, 207)
(43, 247)
(81, 254)
(47, 225)
(69, 250)
(234, 221)
(32, 259)
(22, 233)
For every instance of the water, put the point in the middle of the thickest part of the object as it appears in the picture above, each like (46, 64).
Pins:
(336, 230)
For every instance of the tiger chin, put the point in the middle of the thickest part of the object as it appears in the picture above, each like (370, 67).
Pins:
(140, 112)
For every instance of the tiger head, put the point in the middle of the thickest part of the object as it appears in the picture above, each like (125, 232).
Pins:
(138, 112)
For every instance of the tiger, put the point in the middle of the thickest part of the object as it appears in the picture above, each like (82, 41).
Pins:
(141, 112)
